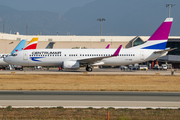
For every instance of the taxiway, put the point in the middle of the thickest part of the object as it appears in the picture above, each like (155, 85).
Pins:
(82, 99)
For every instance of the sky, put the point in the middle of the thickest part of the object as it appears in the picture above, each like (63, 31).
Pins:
(60, 6)
(79, 17)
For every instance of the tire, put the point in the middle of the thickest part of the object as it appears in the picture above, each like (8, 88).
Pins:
(89, 69)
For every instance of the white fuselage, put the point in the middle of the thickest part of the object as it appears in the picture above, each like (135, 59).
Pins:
(154, 48)
(56, 57)
(2, 56)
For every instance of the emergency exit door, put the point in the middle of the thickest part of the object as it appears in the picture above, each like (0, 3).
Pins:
(142, 55)
(25, 55)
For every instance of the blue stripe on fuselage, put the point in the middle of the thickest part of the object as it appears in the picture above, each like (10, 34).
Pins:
(161, 46)
(35, 58)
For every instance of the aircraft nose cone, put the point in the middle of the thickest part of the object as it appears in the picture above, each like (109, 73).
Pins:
(6, 59)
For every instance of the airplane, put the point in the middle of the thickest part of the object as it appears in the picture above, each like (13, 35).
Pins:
(19, 47)
(154, 48)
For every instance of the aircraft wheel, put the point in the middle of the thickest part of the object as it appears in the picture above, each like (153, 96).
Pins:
(89, 69)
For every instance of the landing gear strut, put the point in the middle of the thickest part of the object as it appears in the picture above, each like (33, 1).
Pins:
(89, 68)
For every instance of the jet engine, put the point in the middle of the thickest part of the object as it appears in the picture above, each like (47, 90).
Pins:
(71, 65)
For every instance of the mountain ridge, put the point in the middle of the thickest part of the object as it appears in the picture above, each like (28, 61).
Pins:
(123, 18)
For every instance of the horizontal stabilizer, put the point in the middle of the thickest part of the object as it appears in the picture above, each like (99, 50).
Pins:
(162, 51)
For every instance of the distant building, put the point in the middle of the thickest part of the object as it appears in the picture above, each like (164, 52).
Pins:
(9, 41)
(172, 57)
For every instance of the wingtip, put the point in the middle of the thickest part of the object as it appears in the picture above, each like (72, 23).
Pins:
(108, 46)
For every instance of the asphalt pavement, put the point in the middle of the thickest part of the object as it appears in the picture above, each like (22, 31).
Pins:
(89, 99)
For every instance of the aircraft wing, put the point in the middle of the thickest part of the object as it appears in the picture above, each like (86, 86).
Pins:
(163, 51)
(97, 59)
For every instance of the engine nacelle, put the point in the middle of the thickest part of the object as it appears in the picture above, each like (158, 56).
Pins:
(71, 65)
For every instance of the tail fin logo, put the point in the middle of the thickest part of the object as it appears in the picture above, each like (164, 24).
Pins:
(159, 39)
(19, 47)
(32, 44)
(163, 31)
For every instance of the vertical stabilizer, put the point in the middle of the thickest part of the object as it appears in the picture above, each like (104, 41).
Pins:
(50, 45)
(19, 47)
(163, 31)
(159, 39)
(32, 44)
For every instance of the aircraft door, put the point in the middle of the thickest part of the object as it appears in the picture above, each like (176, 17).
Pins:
(25, 55)
(142, 55)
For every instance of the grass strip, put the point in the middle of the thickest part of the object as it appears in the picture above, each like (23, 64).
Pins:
(90, 82)
(88, 114)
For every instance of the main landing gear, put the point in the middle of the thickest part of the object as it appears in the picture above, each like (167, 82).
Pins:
(88, 68)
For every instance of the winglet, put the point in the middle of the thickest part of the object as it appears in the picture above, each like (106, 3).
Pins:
(107, 47)
(32, 44)
(117, 51)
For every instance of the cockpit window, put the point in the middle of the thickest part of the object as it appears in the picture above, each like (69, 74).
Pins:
(3, 56)
(13, 55)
